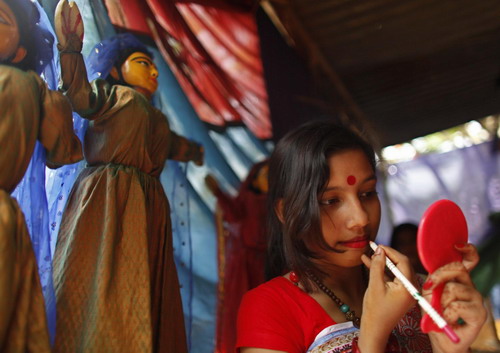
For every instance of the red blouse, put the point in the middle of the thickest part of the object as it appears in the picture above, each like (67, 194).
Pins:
(280, 316)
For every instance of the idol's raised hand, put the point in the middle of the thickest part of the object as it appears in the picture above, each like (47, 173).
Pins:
(69, 26)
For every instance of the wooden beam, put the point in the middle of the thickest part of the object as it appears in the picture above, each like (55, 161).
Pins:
(284, 17)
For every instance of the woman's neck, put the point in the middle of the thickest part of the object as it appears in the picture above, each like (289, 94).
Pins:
(351, 280)
(344, 285)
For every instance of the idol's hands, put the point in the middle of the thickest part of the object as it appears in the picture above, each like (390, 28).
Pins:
(462, 304)
(200, 156)
(68, 26)
(386, 300)
(212, 184)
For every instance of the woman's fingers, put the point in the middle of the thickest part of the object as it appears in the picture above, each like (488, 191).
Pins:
(470, 255)
(464, 312)
(463, 305)
(366, 260)
(377, 269)
(401, 261)
(454, 271)
(383, 297)
(459, 299)
(454, 291)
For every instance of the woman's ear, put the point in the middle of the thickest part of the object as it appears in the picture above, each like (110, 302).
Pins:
(20, 55)
(278, 209)
(114, 73)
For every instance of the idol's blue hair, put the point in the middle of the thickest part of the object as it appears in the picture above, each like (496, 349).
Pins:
(113, 52)
(34, 36)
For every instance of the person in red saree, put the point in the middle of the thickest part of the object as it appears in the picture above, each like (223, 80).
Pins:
(244, 245)
(324, 210)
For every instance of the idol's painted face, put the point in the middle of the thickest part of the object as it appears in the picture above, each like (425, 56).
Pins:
(9, 32)
(141, 73)
(350, 208)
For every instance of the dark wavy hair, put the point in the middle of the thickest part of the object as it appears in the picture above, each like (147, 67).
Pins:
(113, 52)
(298, 174)
(37, 41)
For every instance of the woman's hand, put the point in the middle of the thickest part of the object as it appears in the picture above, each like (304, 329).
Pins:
(462, 304)
(385, 301)
(470, 255)
(68, 26)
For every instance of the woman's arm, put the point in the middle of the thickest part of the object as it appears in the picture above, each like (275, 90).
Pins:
(270, 320)
(462, 304)
(385, 301)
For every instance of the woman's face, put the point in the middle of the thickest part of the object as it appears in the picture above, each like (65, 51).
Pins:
(350, 208)
(141, 73)
(9, 32)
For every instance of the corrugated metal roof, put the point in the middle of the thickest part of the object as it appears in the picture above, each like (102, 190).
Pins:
(411, 67)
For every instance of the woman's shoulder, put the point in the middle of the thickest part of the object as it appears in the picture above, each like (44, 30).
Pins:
(272, 289)
(280, 312)
(267, 318)
(268, 297)
(280, 298)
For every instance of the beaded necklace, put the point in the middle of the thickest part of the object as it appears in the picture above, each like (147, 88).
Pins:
(344, 308)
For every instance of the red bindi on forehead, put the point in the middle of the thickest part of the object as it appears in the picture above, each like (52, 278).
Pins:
(351, 180)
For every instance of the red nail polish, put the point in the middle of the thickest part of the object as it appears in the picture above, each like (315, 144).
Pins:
(428, 284)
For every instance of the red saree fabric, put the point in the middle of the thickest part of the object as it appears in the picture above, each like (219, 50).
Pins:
(242, 254)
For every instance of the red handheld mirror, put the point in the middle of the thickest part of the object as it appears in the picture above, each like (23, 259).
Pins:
(443, 225)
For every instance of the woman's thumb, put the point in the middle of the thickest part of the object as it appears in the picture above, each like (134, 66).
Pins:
(377, 267)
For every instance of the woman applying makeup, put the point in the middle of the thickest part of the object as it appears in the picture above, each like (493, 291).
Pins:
(328, 294)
